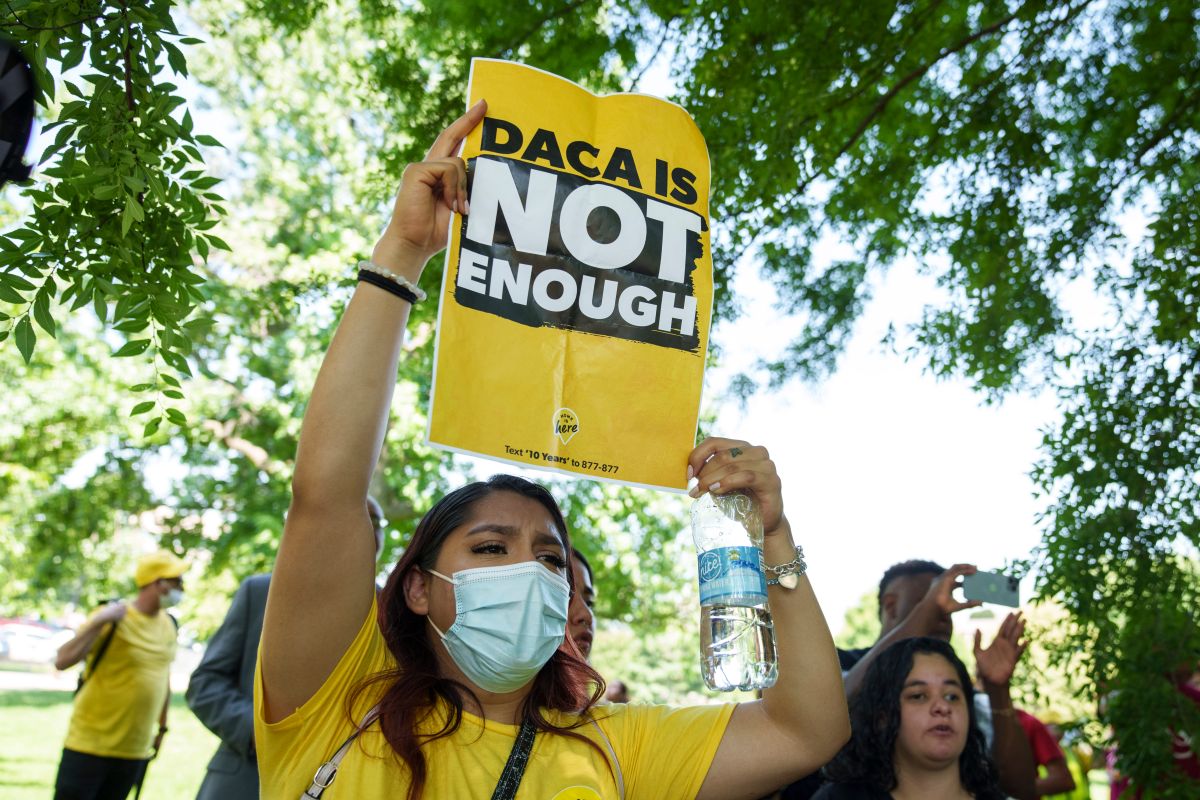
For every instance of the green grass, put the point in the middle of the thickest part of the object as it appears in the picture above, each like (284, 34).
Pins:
(33, 725)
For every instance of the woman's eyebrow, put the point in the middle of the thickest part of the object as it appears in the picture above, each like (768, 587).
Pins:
(493, 527)
(542, 537)
(947, 682)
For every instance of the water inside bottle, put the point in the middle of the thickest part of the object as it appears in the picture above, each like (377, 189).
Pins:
(737, 646)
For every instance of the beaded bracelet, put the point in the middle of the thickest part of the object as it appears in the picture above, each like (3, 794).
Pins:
(390, 282)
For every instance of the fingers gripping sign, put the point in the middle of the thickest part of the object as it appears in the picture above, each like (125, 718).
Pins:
(430, 191)
(724, 465)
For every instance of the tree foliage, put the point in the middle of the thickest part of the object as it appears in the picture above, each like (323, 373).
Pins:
(122, 209)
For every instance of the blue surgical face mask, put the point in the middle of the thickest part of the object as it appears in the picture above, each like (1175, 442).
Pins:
(509, 622)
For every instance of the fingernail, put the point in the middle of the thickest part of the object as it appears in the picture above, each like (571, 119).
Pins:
(691, 472)
(466, 206)
(477, 102)
(712, 487)
(454, 205)
(694, 492)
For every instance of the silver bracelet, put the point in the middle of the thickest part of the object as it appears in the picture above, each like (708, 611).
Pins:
(369, 266)
(787, 575)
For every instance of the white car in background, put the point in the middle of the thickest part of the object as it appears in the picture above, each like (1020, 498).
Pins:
(30, 641)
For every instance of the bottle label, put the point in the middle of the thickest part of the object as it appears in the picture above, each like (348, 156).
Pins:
(732, 576)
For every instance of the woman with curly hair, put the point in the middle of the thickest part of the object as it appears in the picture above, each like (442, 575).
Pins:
(914, 732)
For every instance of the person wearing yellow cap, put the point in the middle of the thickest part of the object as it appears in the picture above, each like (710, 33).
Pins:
(127, 650)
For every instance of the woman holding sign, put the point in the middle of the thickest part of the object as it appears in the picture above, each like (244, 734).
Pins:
(459, 683)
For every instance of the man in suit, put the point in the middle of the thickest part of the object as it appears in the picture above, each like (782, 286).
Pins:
(221, 690)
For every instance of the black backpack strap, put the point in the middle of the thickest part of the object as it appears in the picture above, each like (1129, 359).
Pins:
(514, 769)
(86, 673)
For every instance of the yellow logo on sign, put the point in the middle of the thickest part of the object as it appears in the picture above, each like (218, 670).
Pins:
(566, 424)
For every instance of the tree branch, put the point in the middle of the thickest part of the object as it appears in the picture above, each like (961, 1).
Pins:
(657, 50)
(29, 27)
(883, 102)
(917, 25)
(128, 61)
(552, 15)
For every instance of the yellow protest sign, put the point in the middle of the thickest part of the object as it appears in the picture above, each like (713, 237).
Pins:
(577, 294)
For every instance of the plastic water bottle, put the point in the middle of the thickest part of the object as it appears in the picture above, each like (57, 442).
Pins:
(737, 637)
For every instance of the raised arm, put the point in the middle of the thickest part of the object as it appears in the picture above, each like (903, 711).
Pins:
(937, 605)
(802, 721)
(322, 585)
(1010, 747)
(76, 649)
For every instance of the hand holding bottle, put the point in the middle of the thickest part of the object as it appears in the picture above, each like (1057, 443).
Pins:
(725, 465)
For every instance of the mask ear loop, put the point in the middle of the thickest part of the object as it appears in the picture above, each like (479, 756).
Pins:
(450, 581)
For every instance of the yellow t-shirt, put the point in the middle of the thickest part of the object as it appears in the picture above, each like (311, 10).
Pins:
(663, 752)
(116, 713)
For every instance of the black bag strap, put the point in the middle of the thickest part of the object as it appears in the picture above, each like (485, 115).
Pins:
(506, 789)
(514, 770)
(86, 673)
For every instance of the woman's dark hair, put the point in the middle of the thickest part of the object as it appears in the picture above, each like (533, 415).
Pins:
(869, 757)
(415, 686)
(586, 564)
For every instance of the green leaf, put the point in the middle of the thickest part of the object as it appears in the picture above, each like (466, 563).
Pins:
(25, 338)
(170, 380)
(208, 141)
(178, 362)
(16, 281)
(152, 427)
(175, 58)
(132, 325)
(41, 312)
(10, 295)
(174, 394)
(127, 216)
(132, 348)
(205, 183)
(142, 408)
(218, 242)
(176, 416)
(100, 304)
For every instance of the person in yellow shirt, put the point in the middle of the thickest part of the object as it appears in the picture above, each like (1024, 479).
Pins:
(124, 688)
(460, 680)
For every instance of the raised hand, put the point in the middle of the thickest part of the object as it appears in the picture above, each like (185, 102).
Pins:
(724, 465)
(941, 591)
(429, 192)
(996, 662)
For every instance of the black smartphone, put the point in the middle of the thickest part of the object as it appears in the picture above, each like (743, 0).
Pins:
(992, 587)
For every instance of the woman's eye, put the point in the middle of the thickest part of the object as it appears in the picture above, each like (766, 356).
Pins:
(917, 696)
(491, 548)
(554, 559)
(952, 698)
